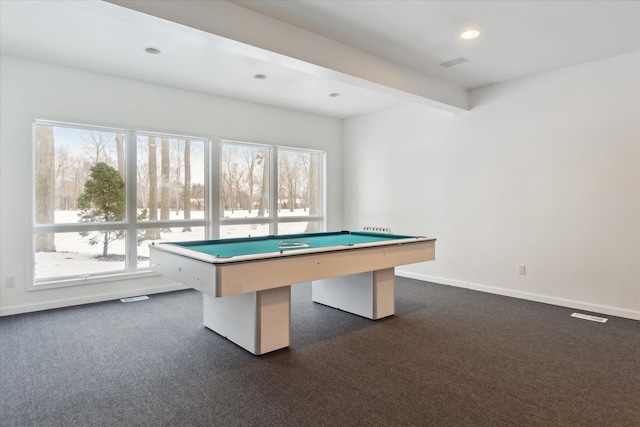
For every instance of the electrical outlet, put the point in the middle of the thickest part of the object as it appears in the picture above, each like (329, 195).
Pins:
(11, 281)
(522, 269)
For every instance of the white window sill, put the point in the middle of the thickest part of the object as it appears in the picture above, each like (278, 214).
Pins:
(90, 279)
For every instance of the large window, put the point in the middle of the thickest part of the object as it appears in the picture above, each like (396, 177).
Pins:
(269, 190)
(102, 195)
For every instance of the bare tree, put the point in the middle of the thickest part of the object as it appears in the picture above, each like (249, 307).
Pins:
(288, 170)
(263, 203)
(45, 185)
(63, 187)
(120, 153)
(313, 186)
(197, 192)
(232, 178)
(303, 161)
(187, 183)
(142, 171)
(253, 158)
(153, 233)
(80, 169)
(164, 181)
(177, 186)
(98, 147)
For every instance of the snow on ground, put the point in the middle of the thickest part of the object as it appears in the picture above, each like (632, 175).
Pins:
(75, 257)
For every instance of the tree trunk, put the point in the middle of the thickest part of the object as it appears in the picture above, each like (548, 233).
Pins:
(176, 186)
(263, 205)
(187, 183)
(164, 181)
(105, 244)
(292, 196)
(313, 183)
(153, 233)
(251, 158)
(120, 153)
(45, 185)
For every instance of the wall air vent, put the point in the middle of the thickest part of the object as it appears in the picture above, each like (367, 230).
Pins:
(453, 62)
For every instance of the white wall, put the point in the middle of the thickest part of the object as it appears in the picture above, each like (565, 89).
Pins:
(30, 90)
(543, 171)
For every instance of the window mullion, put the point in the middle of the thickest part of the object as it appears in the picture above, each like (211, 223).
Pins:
(322, 182)
(131, 242)
(212, 201)
(273, 190)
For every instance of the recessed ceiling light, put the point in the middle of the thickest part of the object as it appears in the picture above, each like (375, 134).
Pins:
(334, 95)
(152, 50)
(260, 76)
(470, 34)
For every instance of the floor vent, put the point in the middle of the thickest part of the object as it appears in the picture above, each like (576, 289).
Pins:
(132, 299)
(588, 317)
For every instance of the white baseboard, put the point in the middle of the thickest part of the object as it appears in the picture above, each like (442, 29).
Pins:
(68, 302)
(579, 305)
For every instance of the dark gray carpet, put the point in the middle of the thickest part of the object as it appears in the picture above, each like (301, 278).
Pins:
(449, 357)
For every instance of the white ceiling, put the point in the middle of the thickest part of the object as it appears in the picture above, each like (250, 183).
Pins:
(519, 38)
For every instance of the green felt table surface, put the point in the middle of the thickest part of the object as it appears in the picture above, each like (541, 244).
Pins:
(224, 248)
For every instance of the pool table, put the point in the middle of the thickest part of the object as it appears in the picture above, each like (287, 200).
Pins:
(246, 282)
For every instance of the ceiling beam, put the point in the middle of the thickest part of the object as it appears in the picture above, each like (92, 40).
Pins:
(252, 34)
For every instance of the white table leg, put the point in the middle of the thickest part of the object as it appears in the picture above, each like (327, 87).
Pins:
(259, 322)
(369, 295)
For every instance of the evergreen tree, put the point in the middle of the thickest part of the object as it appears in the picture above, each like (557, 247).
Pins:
(103, 200)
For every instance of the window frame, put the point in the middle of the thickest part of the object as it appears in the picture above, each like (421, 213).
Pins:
(273, 220)
(130, 225)
(212, 221)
